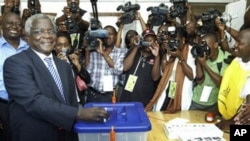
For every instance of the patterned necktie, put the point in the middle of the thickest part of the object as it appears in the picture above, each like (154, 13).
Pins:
(55, 76)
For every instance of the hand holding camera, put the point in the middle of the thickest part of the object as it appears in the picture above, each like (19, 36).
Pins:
(202, 60)
(199, 50)
(129, 14)
(141, 43)
(179, 8)
(99, 49)
(63, 55)
(158, 14)
(154, 47)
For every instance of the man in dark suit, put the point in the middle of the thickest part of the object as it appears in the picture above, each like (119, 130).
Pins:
(39, 111)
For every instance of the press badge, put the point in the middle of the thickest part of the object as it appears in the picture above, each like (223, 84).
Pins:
(172, 89)
(205, 93)
(131, 83)
(108, 83)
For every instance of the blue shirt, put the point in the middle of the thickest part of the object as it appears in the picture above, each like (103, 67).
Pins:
(7, 50)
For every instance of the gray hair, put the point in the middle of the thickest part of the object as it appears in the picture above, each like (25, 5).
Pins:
(30, 20)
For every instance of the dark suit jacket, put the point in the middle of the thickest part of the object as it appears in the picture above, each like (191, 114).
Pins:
(37, 109)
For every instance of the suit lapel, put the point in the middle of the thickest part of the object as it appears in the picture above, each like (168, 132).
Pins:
(45, 74)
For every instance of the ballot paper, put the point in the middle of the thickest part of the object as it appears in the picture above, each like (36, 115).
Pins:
(193, 132)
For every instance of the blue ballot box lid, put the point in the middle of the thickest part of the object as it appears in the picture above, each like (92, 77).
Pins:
(124, 117)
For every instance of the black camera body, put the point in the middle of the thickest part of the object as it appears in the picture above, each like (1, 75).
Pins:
(173, 43)
(158, 14)
(72, 25)
(208, 21)
(95, 32)
(142, 43)
(179, 8)
(129, 13)
(199, 50)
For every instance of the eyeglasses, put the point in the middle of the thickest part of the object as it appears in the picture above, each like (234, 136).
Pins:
(42, 32)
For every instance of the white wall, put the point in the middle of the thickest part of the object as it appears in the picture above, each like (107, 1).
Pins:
(103, 6)
(56, 6)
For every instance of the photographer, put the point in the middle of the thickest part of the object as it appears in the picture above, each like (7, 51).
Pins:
(105, 66)
(119, 34)
(174, 91)
(64, 51)
(129, 14)
(181, 10)
(158, 15)
(72, 19)
(128, 36)
(211, 63)
(141, 66)
(226, 35)
(163, 38)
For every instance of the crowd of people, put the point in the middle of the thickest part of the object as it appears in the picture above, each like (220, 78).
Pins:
(51, 68)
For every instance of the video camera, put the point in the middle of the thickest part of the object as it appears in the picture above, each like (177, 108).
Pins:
(142, 43)
(96, 30)
(208, 21)
(92, 35)
(199, 50)
(158, 14)
(179, 8)
(32, 7)
(172, 43)
(129, 14)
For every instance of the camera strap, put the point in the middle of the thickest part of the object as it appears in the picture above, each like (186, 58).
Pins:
(140, 59)
(132, 79)
(173, 73)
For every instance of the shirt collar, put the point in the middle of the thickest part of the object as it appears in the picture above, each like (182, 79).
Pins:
(22, 43)
(43, 56)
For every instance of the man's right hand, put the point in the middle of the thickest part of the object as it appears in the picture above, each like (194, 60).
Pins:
(92, 114)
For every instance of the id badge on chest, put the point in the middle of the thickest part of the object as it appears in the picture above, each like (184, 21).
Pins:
(206, 93)
(172, 89)
(108, 83)
(131, 83)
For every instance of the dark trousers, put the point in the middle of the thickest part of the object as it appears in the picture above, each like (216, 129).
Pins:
(5, 120)
(96, 96)
(67, 136)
